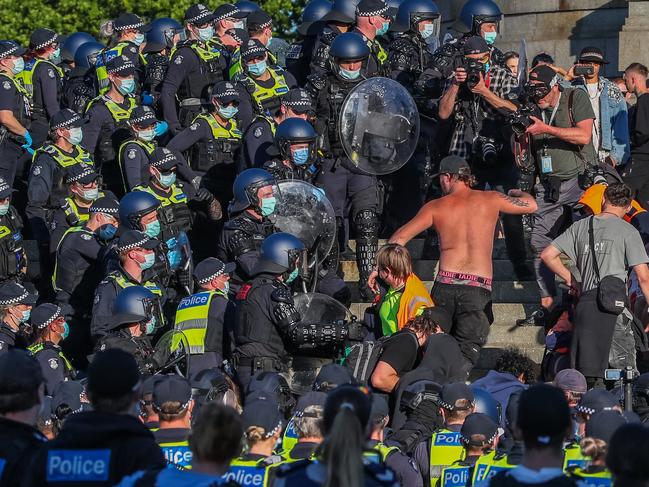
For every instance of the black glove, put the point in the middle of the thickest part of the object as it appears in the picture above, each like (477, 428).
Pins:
(204, 195)
(356, 331)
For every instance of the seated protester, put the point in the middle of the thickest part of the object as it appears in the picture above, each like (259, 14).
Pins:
(627, 457)
(512, 372)
(214, 441)
(206, 317)
(303, 433)
(544, 423)
(479, 436)
(407, 296)
(13, 259)
(401, 353)
(21, 397)
(136, 254)
(148, 415)
(172, 400)
(109, 436)
(16, 304)
(50, 328)
(406, 472)
(262, 429)
(441, 353)
(50, 165)
(432, 455)
(68, 398)
(573, 384)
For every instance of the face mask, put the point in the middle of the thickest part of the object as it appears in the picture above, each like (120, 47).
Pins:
(167, 180)
(237, 25)
(268, 206)
(269, 41)
(26, 315)
(149, 260)
(226, 287)
(228, 112)
(429, 30)
(206, 34)
(4, 209)
(90, 194)
(300, 156)
(150, 326)
(139, 39)
(152, 230)
(349, 74)
(292, 276)
(490, 37)
(383, 29)
(126, 86)
(76, 136)
(55, 57)
(107, 231)
(19, 66)
(146, 135)
(66, 331)
(257, 69)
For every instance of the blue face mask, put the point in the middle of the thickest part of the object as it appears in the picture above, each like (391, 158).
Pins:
(149, 260)
(150, 326)
(152, 230)
(490, 37)
(206, 34)
(226, 287)
(107, 232)
(139, 39)
(349, 74)
(268, 206)
(429, 30)
(19, 66)
(66, 330)
(55, 57)
(292, 276)
(257, 69)
(26, 315)
(228, 112)
(147, 135)
(167, 180)
(91, 194)
(76, 136)
(126, 86)
(4, 209)
(300, 156)
(383, 29)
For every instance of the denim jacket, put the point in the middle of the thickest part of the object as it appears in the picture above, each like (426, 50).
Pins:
(614, 125)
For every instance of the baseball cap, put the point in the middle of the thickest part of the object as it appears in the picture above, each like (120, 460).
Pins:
(143, 116)
(379, 409)
(370, 8)
(225, 92)
(453, 165)
(130, 21)
(239, 35)
(592, 54)
(544, 74)
(68, 393)
(228, 11)
(19, 372)
(171, 388)
(478, 429)
(113, 373)
(211, 268)
(41, 38)
(107, 205)
(597, 400)
(571, 380)
(12, 293)
(331, 376)
(258, 20)
(311, 398)
(252, 49)
(5, 189)
(603, 424)
(454, 392)
(475, 45)
(11, 48)
(120, 65)
(543, 414)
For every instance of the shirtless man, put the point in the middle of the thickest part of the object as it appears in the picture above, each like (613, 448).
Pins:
(465, 221)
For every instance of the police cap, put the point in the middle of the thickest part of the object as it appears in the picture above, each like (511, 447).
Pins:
(11, 48)
(264, 413)
(143, 116)
(42, 38)
(258, 20)
(298, 100)
(112, 373)
(603, 424)
(107, 205)
(228, 11)
(12, 293)
(5, 190)
(45, 314)
(134, 239)
(225, 92)
(68, 393)
(211, 268)
(311, 398)
(198, 14)
(380, 408)
(454, 392)
(120, 65)
(130, 21)
(331, 376)
(372, 8)
(597, 400)
(80, 173)
(171, 388)
(20, 373)
(163, 159)
(66, 118)
(148, 383)
(478, 429)
(239, 35)
(252, 49)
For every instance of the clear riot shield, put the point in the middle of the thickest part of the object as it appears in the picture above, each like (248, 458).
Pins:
(171, 353)
(320, 308)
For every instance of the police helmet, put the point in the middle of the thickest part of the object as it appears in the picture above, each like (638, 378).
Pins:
(275, 384)
(72, 43)
(134, 205)
(342, 11)
(295, 131)
(349, 46)
(485, 403)
(247, 6)
(133, 304)
(411, 12)
(313, 12)
(209, 385)
(245, 188)
(476, 12)
(280, 253)
(161, 35)
(86, 55)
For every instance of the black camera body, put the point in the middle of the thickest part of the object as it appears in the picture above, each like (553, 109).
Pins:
(474, 69)
(520, 119)
(584, 70)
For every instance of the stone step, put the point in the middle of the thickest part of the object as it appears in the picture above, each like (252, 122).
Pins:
(490, 353)
(425, 269)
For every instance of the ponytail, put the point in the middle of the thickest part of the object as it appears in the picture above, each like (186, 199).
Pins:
(343, 450)
(107, 29)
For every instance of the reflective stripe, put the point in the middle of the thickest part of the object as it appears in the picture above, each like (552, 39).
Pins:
(599, 479)
(148, 147)
(248, 473)
(177, 195)
(118, 113)
(445, 449)
(279, 88)
(105, 56)
(124, 283)
(573, 457)
(37, 347)
(218, 131)
(64, 160)
(192, 319)
(26, 76)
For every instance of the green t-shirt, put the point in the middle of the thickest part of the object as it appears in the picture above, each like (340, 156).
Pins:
(565, 160)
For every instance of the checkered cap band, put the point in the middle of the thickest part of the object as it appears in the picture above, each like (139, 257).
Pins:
(15, 300)
(57, 314)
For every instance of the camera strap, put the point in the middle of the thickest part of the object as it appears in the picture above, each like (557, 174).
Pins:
(554, 111)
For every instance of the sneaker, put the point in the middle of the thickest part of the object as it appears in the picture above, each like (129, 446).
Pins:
(537, 318)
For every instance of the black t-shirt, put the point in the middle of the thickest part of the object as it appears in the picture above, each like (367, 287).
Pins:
(639, 128)
(401, 351)
(442, 355)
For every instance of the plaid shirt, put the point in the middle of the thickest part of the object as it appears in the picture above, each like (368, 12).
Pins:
(501, 82)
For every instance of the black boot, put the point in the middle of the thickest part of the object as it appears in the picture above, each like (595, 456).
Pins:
(367, 243)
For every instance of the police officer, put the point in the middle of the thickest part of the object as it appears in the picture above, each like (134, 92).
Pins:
(136, 254)
(162, 38)
(297, 155)
(109, 438)
(15, 305)
(127, 34)
(78, 270)
(108, 116)
(42, 78)
(338, 20)
(213, 141)
(300, 52)
(269, 329)
(50, 165)
(229, 34)
(14, 103)
(260, 28)
(80, 83)
(259, 136)
(135, 317)
(206, 317)
(300, 438)
(242, 235)
(13, 259)
(345, 185)
(232, 40)
(194, 67)
(50, 329)
(372, 22)
(263, 85)
(227, 17)
(71, 44)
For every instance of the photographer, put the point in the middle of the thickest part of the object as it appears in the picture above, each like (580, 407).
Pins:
(477, 97)
(560, 145)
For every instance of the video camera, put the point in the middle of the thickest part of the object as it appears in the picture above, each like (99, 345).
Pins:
(628, 376)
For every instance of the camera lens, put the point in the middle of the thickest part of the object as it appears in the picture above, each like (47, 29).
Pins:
(489, 152)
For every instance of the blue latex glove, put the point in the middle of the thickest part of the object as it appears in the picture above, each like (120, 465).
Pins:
(321, 192)
(174, 257)
(28, 144)
(161, 128)
(147, 99)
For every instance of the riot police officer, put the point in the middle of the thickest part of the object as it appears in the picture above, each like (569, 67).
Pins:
(13, 260)
(50, 165)
(108, 116)
(70, 46)
(342, 181)
(127, 34)
(214, 142)
(50, 329)
(15, 305)
(163, 35)
(136, 254)
(133, 320)
(372, 22)
(80, 83)
(42, 79)
(297, 154)
(242, 235)
(206, 317)
(338, 20)
(194, 67)
(269, 329)
(14, 103)
(263, 84)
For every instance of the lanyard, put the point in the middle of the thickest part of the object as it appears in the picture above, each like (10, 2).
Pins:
(554, 111)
